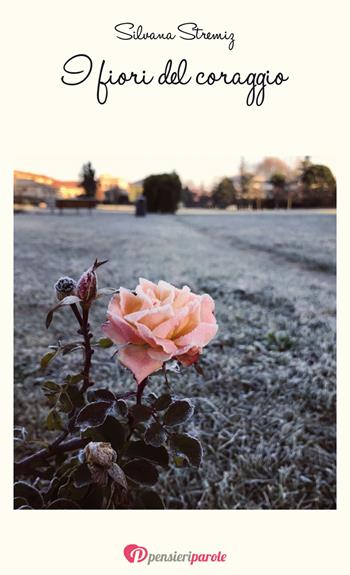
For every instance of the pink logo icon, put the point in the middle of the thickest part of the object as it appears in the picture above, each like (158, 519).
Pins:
(135, 553)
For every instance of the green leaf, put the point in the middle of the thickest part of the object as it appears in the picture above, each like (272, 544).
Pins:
(180, 461)
(188, 446)
(163, 402)
(65, 402)
(45, 360)
(118, 475)
(75, 396)
(105, 342)
(140, 449)
(141, 471)
(62, 503)
(178, 412)
(140, 412)
(29, 493)
(50, 386)
(70, 347)
(155, 435)
(93, 415)
(74, 379)
(149, 499)
(53, 420)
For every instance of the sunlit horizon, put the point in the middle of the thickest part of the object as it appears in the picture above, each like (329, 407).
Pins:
(197, 171)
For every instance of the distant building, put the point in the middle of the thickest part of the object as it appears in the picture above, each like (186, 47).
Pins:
(106, 183)
(33, 188)
(116, 196)
(135, 190)
(36, 188)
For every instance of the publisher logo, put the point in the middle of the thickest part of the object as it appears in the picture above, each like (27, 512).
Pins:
(135, 553)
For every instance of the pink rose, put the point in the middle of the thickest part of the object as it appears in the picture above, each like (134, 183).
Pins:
(157, 323)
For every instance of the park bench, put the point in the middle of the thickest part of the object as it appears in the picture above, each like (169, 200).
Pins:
(77, 203)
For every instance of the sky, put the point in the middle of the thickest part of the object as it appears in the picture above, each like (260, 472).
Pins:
(197, 170)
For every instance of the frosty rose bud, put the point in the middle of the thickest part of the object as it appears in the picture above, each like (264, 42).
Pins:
(64, 287)
(100, 453)
(87, 285)
(158, 323)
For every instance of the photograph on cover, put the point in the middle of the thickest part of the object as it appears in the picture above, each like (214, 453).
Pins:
(174, 337)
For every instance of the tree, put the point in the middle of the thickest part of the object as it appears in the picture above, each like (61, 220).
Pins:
(187, 197)
(224, 194)
(319, 186)
(271, 165)
(163, 192)
(88, 181)
(279, 183)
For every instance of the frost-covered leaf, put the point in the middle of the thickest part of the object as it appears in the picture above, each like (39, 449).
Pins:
(178, 412)
(31, 495)
(19, 502)
(62, 503)
(140, 449)
(93, 415)
(188, 446)
(142, 471)
(122, 407)
(112, 431)
(118, 475)
(155, 435)
(69, 300)
(104, 395)
(140, 412)
(70, 491)
(82, 476)
(162, 402)
(149, 499)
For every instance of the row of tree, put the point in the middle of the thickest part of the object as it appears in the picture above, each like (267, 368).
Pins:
(273, 184)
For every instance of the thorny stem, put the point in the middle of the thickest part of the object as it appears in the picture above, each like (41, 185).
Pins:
(85, 331)
(140, 390)
(71, 445)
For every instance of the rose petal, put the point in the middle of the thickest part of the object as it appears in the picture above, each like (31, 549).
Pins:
(120, 331)
(199, 337)
(136, 358)
(207, 308)
(151, 317)
(130, 302)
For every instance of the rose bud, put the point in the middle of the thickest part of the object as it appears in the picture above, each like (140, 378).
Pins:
(87, 284)
(64, 287)
(100, 453)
